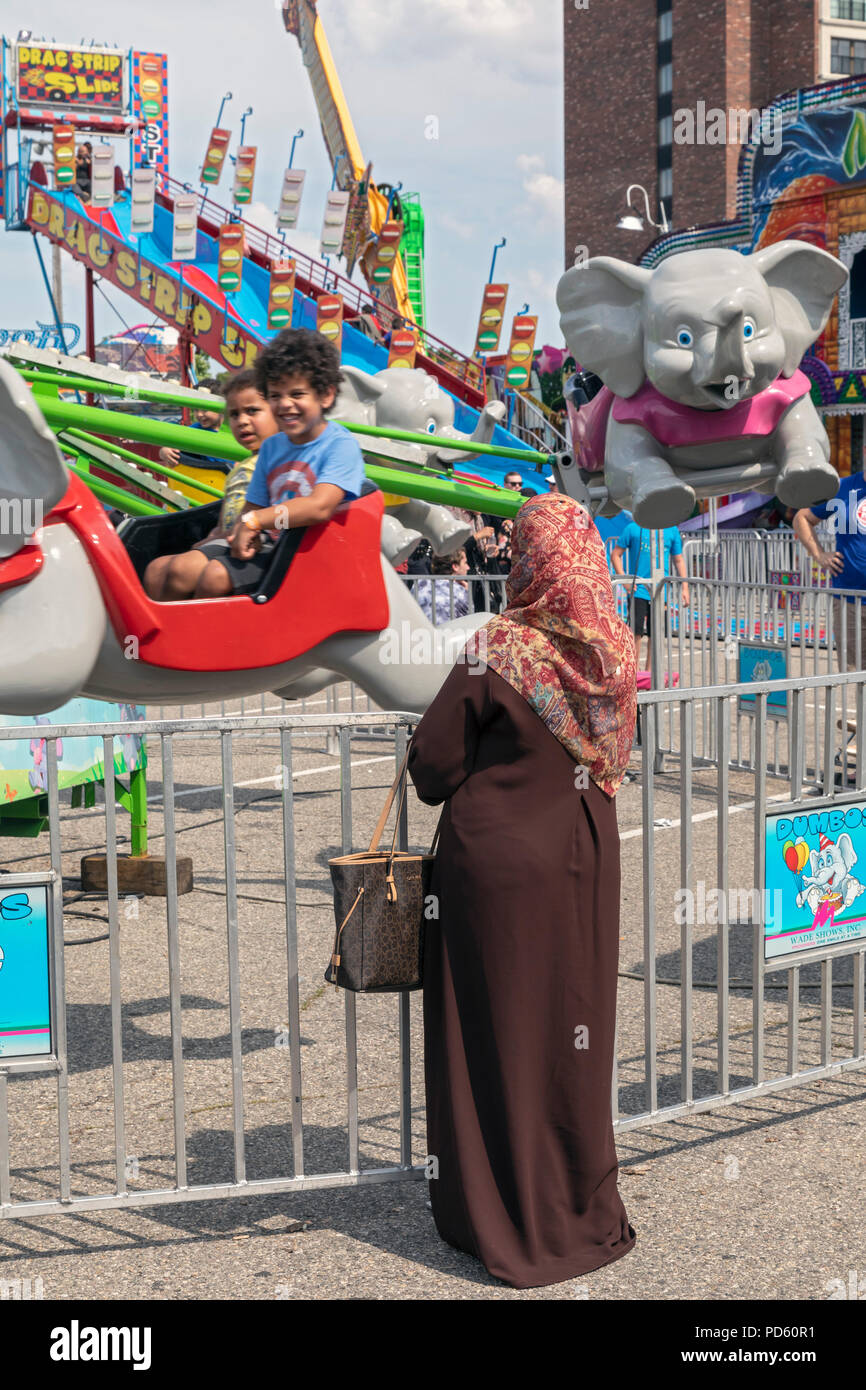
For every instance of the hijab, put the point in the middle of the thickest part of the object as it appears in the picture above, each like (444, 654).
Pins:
(560, 642)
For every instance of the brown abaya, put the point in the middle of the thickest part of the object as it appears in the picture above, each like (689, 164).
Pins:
(520, 973)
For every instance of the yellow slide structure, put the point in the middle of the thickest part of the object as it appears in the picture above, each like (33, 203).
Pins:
(301, 18)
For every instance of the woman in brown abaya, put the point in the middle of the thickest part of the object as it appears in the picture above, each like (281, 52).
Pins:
(527, 743)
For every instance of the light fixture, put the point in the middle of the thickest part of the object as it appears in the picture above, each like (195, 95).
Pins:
(632, 221)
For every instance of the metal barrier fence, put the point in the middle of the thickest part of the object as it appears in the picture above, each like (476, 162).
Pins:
(777, 630)
(702, 1019)
(753, 556)
(750, 1037)
(230, 735)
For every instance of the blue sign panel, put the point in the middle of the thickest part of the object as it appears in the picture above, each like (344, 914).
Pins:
(761, 662)
(25, 973)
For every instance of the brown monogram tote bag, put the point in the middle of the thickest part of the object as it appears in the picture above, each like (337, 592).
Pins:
(379, 901)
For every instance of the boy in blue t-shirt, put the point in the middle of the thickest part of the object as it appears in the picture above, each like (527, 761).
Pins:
(303, 474)
(636, 541)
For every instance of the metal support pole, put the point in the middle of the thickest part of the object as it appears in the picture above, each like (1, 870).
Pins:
(138, 815)
(90, 327)
(496, 249)
(51, 298)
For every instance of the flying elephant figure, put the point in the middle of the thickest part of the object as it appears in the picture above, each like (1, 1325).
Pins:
(411, 399)
(75, 619)
(702, 394)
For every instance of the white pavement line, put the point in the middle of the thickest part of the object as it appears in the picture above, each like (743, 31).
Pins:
(275, 778)
(666, 824)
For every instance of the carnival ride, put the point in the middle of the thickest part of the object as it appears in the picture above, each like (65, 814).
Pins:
(72, 601)
(371, 206)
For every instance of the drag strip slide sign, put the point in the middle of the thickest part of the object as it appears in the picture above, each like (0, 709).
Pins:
(25, 976)
(815, 878)
(136, 276)
(72, 77)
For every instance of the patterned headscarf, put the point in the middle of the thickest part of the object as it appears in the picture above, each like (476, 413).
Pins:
(559, 641)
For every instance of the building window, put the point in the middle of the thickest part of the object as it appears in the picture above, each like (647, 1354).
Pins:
(666, 130)
(848, 56)
(666, 27)
(666, 183)
(848, 9)
(666, 75)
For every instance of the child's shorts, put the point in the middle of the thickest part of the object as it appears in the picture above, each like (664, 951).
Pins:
(245, 575)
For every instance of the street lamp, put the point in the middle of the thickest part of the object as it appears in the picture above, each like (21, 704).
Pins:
(497, 248)
(633, 222)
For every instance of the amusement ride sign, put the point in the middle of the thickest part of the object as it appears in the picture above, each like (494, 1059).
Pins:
(72, 77)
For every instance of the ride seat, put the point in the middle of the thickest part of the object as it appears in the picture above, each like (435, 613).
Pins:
(172, 533)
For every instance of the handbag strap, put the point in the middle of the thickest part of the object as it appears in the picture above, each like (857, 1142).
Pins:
(401, 780)
(380, 824)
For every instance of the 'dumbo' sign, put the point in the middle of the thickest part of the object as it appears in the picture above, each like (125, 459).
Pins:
(76, 77)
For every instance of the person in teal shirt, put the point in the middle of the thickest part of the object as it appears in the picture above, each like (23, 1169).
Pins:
(635, 542)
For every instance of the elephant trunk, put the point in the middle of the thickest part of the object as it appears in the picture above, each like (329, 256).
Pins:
(492, 415)
(730, 358)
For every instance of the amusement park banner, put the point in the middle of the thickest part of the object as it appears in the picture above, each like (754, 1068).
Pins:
(149, 92)
(71, 77)
(815, 879)
(111, 258)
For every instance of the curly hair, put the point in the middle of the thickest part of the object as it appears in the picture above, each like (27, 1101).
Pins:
(245, 380)
(299, 352)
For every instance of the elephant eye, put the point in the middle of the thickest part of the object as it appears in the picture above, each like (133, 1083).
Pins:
(685, 337)
(430, 426)
(750, 328)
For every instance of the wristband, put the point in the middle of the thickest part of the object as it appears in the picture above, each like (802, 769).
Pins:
(251, 520)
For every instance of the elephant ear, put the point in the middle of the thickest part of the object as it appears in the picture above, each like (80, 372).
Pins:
(847, 850)
(601, 306)
(803, 282)
(33, 476)
(358, 388)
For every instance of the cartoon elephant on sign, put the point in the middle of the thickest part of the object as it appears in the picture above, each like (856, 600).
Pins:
(831, 867)
(411, 399)
(702, 393)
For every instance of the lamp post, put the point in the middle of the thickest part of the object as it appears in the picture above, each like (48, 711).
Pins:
(633, 222)
(295, 138)
(496, 250)
(227, 97)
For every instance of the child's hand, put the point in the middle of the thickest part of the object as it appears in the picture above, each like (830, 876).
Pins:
(245, 541)
(170, 456)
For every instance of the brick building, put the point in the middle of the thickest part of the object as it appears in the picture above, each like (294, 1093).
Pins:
(632, 69)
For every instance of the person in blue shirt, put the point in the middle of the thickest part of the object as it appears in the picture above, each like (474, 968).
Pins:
(847, 564)
(303, 474)
(635, 542)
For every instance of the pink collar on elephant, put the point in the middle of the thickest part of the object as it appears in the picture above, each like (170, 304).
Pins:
(675, 425)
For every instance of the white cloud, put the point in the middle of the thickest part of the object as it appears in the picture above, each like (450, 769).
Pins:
(520, 37)
(546, 192)
(449, 223)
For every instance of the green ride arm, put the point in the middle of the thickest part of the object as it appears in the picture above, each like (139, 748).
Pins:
(115, 496)
(142, 462)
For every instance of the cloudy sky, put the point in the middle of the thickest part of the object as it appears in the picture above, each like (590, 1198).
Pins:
(489, 71)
